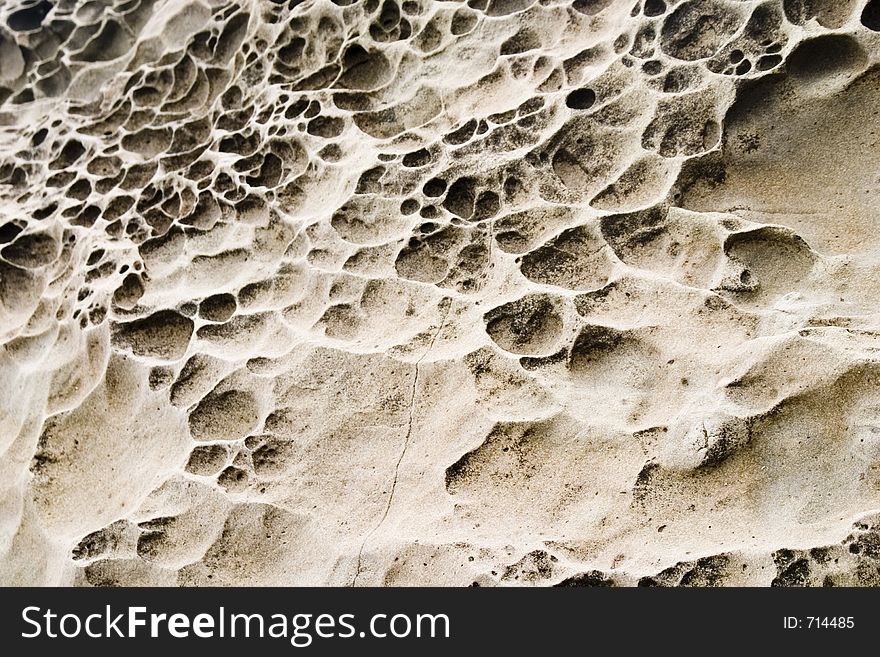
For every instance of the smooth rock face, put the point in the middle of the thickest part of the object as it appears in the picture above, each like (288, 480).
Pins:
(380, 292)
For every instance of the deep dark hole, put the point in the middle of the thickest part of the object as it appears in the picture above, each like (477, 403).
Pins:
(29, 18)
(581, 99)
(434, 187)
(654, 7)
(871, 15)
(9, 232)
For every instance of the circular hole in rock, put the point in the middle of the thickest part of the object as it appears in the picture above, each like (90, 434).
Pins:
(434, 187)
(871, 15)
(581, 99)
(825, 58)
(769, 61)
(652, 67)
(655, 7)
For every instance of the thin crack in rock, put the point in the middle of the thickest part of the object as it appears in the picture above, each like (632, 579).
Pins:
(409, 425)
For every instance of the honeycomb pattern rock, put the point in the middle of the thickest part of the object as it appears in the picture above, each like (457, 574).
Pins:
(497, 292)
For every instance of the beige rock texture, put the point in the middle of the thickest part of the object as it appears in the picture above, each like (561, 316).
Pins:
(411, 292)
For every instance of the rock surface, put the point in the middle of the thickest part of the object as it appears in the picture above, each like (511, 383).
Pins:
(380, 292)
